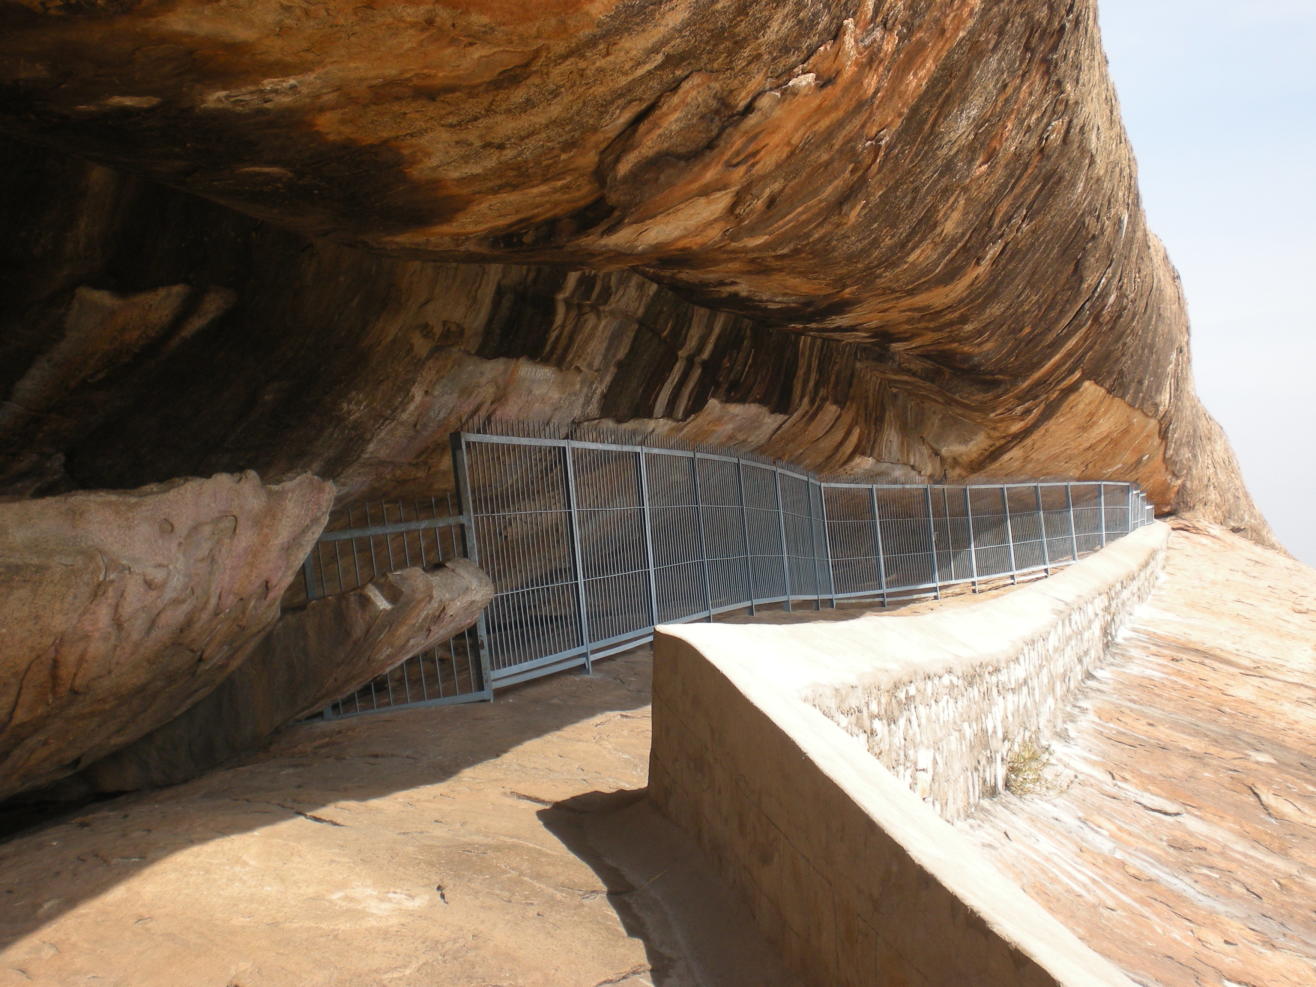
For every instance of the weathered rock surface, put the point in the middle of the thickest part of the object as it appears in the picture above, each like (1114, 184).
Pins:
(460, 845)
(119, 610)
(1174, 828)
(903, 238)
(311, 657)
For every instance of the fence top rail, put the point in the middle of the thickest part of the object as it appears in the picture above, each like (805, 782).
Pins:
(393, 528)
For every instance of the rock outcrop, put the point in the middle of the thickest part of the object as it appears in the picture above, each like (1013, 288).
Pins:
(897, 240)
(893, 238)
(119, 610)
(311, 657)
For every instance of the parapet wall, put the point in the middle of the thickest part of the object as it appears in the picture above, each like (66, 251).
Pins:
(847, 870)
(972, 686)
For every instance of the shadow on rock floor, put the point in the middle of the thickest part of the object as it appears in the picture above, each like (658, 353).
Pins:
(695, 930)
(460, 845)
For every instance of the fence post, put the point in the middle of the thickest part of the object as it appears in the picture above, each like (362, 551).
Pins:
(813, 541)
(932, 539)
(1128, 524)
(703, 543)
(1101, 509)
(1041, 519)
(308, 573)
(973, 551)
(1009, 535)
(827, 543)
(781, 523)
(648, 535)
(466, 507)
(744, 530)
(1073, 531)
(877, 544)
(574, 521)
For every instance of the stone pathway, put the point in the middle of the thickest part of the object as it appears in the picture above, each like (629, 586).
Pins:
(501, 843)
(1174, 829)
(509, 843)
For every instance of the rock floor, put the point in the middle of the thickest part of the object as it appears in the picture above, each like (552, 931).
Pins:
(502, 843)
(1174, 829)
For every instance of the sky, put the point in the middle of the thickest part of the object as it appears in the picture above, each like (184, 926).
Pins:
(1219, 100)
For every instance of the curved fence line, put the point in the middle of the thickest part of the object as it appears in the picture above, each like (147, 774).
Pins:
(590, 545)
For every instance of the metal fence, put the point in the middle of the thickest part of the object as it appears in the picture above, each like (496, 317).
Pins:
(591, 544)
(370, 540)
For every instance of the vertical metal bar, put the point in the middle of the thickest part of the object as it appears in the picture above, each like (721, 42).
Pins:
(420, 537)
(420, 667)
(744, 528)
(827, 542)
(406, 545)
(1128, 524)
(973, 549)
(356, 562)
(785, 554)
(648, 535)
(877, 544)
(1101, 508)
(1009, 535)
(388, 540)
(574, 522)
(1041, 519)
(466, 508)
(950, 533)
(308, 575)
(374, 562)
(1073, 530)
(813, 541)
(703, 542)
(932, 539)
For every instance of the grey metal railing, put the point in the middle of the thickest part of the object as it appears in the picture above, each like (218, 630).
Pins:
(372, 539)
(591, 544)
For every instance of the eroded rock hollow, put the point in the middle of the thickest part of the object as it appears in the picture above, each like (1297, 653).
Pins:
(891, 239)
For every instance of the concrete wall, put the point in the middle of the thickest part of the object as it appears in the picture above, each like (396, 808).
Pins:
(857, 879)
(964, 690)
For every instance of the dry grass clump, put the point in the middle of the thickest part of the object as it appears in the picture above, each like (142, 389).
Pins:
(1025, 769)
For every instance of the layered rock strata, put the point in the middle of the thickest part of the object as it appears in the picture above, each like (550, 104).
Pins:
(119, 610)
(903, 234)
(311, 657)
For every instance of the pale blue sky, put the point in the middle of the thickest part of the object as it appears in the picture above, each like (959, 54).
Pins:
(1220, 103)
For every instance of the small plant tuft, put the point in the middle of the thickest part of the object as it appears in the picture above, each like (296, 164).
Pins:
(1025, 769)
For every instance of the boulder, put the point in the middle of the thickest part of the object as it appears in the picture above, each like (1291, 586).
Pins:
(120, 609)
(313, 656)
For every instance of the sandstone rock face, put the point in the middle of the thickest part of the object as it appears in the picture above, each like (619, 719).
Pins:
(311, 657)
(903, 238)
(119, 610)
(307, 355)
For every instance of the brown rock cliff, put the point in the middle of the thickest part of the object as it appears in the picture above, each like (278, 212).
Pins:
(929, 208)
